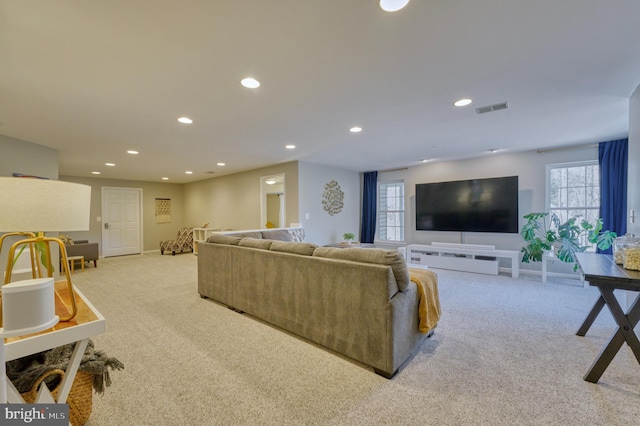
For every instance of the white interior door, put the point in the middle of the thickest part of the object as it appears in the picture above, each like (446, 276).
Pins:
(121, 219)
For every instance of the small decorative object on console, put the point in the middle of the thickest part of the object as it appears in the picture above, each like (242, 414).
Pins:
(620, 244)
(348, 237)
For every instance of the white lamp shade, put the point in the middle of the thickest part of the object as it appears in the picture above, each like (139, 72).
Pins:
(28, 307)
(28, 204)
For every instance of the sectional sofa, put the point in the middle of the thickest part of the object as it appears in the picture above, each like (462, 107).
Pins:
(90, 251)
(360, 303)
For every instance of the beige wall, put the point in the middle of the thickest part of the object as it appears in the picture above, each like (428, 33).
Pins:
(152, 232)
(633, 190)
(633, 175)
(320, 227)
(233, 201)
(17, 156)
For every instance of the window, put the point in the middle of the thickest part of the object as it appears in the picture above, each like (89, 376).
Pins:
(391, 211)
(573, 189)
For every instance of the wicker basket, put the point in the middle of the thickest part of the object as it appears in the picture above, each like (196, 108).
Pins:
(80, 396)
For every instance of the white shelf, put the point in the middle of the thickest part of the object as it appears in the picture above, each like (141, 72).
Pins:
(462, 257)
(467, 264)
(201, 235)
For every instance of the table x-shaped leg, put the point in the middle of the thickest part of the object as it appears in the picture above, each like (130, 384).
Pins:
(588, 321)
(626, 324)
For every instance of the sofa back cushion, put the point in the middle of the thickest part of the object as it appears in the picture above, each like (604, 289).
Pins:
(224, 239)
(278, 235)
(258, 243)
(391, 258)
(305, 249)
(250, 234)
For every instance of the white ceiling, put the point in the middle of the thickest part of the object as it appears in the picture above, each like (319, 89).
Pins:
(95, 78)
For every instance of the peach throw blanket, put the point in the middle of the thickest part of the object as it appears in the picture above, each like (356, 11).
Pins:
(429, 307)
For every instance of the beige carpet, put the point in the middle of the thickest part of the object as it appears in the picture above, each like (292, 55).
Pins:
(504, 352)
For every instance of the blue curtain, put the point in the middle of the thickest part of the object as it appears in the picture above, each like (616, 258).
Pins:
(369, 205)
(613, 159)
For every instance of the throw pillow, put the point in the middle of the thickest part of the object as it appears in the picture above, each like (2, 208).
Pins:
(223, 239)
(297, 235)
(65, 239)
(255, 234)
(255, 243)
(305, 249)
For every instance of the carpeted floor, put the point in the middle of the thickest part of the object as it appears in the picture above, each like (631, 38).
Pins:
(505, 352)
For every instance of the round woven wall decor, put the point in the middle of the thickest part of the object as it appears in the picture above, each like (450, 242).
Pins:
(333, 198)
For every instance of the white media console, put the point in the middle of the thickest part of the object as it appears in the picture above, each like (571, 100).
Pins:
(462, 257)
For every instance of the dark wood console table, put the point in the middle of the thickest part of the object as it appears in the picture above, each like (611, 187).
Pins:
(601, 271)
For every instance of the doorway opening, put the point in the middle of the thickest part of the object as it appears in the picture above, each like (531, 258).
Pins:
(272, 201)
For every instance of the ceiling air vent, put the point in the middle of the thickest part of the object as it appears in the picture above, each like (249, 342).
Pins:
(490, 108)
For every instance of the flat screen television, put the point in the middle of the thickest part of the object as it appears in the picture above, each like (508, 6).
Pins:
(476, 205)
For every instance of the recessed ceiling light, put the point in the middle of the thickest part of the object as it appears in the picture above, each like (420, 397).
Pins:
(492, 150)
(270, 182)
(425, 161)
(132, 152)
(109, 164)
(290, 146)
(221, 164)
(250, 83)
(185, 120)
(462, 102)
(393, 5)
(95, 173)
(355, 129)
(188, 172)
(165, 178)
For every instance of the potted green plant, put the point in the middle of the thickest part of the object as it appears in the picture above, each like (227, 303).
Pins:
(39, 248)
(544, 233)
(348, 237)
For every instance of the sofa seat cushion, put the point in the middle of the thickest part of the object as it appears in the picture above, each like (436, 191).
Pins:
(258, 243)
(305, 249)
(224, 239)
(391, 258)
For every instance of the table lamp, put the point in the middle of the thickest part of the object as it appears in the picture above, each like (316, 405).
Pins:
(29, 207)
(28, 307)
